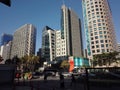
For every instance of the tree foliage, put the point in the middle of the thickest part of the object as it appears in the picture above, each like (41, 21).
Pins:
(29, 62)
(104, 58)
(65, 64)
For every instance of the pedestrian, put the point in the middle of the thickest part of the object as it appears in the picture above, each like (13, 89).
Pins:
(73, 81)
(61, 81)
(45, 77)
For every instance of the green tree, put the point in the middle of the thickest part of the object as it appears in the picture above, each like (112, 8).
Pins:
(29, 62)
(104, 58)
(65, 64)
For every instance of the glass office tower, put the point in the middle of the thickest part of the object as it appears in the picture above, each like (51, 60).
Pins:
(5, 38)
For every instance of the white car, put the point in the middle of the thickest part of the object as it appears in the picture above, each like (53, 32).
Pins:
(66, 74)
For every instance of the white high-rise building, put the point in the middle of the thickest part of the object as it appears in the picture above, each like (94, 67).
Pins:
(48, 44)
(24, 41)
(98, 25)
(60, 46)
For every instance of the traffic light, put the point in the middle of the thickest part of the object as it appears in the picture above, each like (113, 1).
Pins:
(6, 2)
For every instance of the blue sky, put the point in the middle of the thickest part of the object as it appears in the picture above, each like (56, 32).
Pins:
(45, 12)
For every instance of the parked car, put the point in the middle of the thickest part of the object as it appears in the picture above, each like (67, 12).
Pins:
(50, 72)
(66, 74)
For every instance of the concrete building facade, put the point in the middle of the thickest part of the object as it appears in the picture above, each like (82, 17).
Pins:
(48, 44)
(5, 51)
(99, 28)
(24, 41)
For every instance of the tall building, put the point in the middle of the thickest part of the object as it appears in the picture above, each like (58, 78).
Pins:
(71, 32)
(5, 38)
(24, 41)
(5, 51)
(118, 47)
(60, 47)
(48, 44)
(98, 25)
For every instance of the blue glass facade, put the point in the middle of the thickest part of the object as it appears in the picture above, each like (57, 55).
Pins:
(86, 28)
(80, 62)
(5, 38)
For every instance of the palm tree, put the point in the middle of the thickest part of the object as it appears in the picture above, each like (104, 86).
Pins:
(29, 61)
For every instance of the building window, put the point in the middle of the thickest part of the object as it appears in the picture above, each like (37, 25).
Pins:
(92, 42)
(102, 45)
(100, 28)
(101, 36)
(106, 45)
(88, 12)
(93, 10)
(96, 33)
(93, 47)
(106, 41)
(97, 12)
(97, 9)
(104, 32)
(93, 51)
(98, 16)
(103, 50)
(92, 38)
(101, 9)
(97, 46)
(96, 37)
(97, 42)
(94, 21)
(92, 6)
(94, 25)
(100, 32)
(98, 20)
(91, 34)
(98, 50)
(95, 29)
(101, 41)
(99, 24)
(96, 5)
(89, 15)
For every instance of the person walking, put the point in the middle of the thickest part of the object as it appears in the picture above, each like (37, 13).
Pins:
(73, 81)
(62, 81)
(45, 77)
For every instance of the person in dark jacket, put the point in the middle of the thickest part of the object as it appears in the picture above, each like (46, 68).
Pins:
(61, 81)
(73, 81)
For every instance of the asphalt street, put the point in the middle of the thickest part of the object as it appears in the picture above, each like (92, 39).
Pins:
(53, 83)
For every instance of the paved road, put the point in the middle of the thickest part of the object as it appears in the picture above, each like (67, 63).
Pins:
(53, 83)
